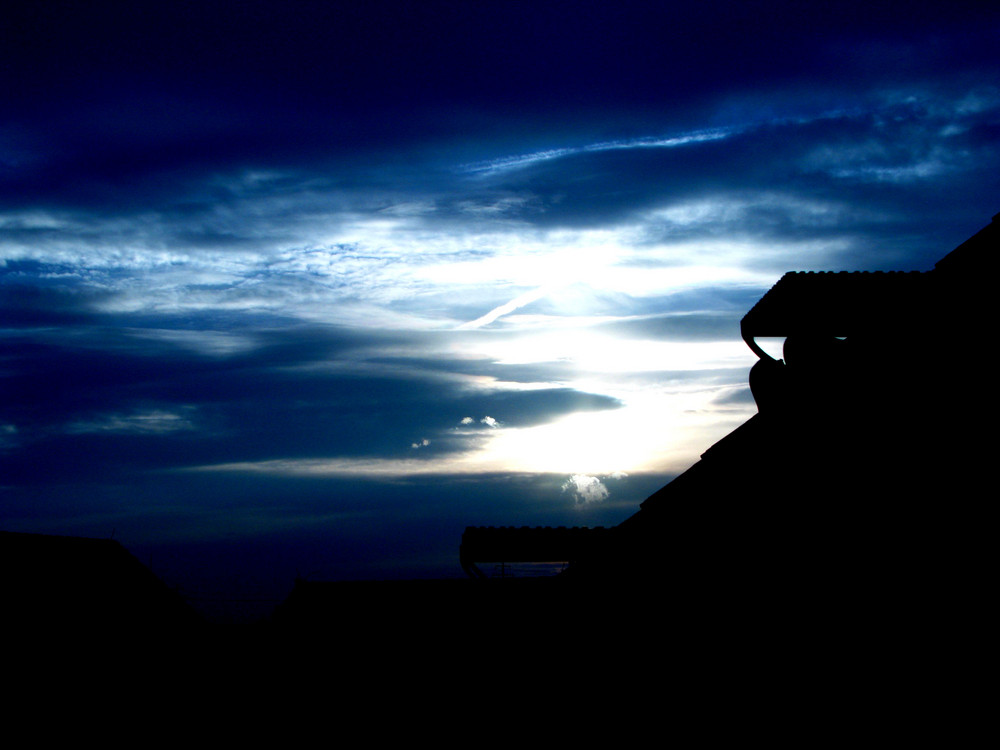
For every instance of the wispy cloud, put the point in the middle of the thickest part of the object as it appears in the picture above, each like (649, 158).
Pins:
(518, 302)
(423, 255)
(521, 161)
(151, 422)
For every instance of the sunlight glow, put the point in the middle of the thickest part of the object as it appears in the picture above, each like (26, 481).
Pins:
(650, 434)
(594, 352)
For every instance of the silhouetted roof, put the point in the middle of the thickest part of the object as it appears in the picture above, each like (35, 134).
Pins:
(83, 581)
(950, 299)
(835, 304)
(862, 463)
(977, 257)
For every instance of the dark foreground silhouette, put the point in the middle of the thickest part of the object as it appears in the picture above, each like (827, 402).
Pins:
(76, 582)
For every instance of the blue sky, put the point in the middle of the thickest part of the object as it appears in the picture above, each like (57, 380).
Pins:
(307, 288)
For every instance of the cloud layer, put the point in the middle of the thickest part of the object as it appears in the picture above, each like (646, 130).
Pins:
(485, 244)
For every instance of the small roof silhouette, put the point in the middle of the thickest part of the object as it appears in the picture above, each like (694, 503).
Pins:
(84, 582)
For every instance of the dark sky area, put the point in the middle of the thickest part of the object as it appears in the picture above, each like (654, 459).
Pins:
(306, 288)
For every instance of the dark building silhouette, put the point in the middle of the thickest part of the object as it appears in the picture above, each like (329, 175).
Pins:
(488, 544)
(79, 583)
(863, 477)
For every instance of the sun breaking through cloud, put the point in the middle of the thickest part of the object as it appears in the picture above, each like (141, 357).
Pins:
(586, 489)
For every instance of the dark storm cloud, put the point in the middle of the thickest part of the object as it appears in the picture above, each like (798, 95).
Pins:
(108, 95)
